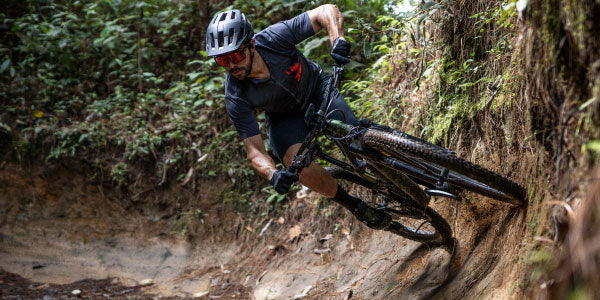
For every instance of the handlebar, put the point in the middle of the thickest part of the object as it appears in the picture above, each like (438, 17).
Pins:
(333, 82)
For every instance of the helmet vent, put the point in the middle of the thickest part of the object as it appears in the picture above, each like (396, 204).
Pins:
(223, 17)
(221, 39)
(233, 15)
(230, 36)
(212, 40)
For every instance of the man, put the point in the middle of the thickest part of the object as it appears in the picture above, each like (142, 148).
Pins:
(267, 71)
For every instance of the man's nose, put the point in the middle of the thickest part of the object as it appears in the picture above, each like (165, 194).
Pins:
(230, 64)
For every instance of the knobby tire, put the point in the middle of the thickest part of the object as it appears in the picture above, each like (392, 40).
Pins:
(469, 176)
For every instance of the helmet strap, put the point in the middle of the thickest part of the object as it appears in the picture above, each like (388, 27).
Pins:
(251, 59)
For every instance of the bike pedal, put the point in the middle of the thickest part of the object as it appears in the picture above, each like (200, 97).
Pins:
(441, 193)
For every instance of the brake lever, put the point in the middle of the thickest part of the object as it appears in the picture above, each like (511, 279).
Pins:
(304, 160)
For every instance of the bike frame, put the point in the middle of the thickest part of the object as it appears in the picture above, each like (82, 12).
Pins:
(309, 150)
(401, 174)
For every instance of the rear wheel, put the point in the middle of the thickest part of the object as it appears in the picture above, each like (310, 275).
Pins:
(408, 219)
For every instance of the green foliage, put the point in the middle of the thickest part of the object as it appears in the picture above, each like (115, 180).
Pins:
(542, 261)
(580, 293)
(120, 174)
(128, 80)
(359, 21)
(85, 77)
(400, 41)
(456, 99)
(273, 195)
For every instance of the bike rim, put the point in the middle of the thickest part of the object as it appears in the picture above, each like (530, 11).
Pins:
(415, 223)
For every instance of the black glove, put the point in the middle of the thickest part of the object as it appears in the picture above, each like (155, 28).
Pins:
(341, 51)
(282, 180)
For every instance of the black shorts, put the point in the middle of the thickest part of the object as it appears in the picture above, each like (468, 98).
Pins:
(287, 129)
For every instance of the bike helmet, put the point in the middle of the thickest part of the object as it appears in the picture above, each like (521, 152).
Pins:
(226, 32)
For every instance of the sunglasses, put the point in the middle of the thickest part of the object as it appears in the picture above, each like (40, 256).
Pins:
(235, 57)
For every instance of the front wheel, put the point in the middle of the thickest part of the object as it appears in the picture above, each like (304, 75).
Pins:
(408, 220)
(430, 160)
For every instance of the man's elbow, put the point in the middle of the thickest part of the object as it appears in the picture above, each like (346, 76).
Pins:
(321, 15)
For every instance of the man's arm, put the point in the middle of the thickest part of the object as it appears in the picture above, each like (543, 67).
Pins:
(327, 16)
(256, 153)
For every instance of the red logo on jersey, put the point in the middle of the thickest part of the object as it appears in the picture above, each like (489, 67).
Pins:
(295, 70)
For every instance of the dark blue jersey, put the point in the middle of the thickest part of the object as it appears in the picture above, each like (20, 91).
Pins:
(293, 78)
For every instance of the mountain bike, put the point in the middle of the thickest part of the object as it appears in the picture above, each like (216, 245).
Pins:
(400, 172)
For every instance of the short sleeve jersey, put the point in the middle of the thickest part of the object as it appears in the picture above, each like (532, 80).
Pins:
(292, 77)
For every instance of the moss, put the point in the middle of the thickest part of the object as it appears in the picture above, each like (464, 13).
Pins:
(120, 174)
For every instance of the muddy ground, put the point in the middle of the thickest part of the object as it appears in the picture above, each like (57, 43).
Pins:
(61, 231)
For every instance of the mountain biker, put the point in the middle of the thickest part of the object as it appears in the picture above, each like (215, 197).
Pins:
(267, 71)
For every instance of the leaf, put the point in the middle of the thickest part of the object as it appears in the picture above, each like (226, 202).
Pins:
(522, 5)
(188, 176)
(380, 61)
(62, 43)
(200, 294)
(97, 42)
(594, 146)
(348, 13)
(105, 32)
(192, 76)
(5, 65)
(271, 198)
(428, 5)
(193, 62)
(314, 44)
(421, 19)
(109, 42)
(82, 138)
(200, 79)
(53, 32)
(293, 2)
(5, 127)
(294, 232)
(582, 107)
(353, 30)
(38, 114)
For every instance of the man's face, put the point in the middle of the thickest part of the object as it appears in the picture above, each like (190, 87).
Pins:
(232, 63)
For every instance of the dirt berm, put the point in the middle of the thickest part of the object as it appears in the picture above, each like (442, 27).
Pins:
(59, 226)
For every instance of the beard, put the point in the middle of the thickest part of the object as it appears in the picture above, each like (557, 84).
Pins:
(240, 73)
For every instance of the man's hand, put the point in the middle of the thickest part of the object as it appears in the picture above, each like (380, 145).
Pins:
(283, 180)
(341, 51)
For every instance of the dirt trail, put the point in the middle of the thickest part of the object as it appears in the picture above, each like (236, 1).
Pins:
(55, 230)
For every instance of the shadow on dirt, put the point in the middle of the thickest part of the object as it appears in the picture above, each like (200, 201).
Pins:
(482, 252)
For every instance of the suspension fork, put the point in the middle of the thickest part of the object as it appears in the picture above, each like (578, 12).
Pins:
(404, 183)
